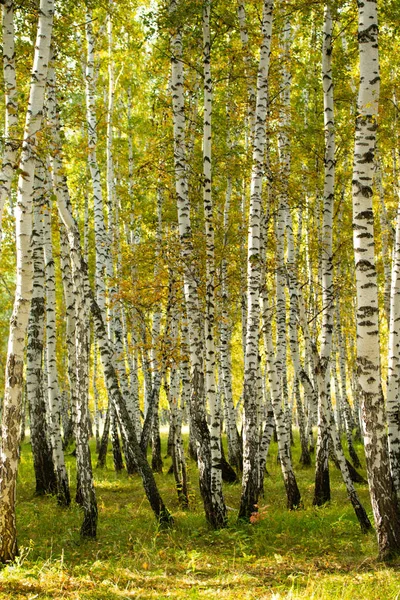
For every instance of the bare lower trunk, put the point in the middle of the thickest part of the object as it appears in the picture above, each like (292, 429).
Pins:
(41, 450)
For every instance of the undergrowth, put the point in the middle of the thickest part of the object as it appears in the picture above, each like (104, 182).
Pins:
(312, 553)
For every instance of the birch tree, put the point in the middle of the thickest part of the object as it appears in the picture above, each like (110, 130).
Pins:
(250, 484)
(78, 305)
(393, 389)
(53, 389)
(210, 348)
(46, 482)
(322, 485)
(11, 144)
(383, 498)
(212, 495)
(16, 346)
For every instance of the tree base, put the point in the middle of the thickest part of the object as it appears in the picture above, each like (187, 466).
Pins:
(89, 525)
(322, 492)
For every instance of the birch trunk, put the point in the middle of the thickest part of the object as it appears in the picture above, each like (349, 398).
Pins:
(347, 414)
(282, 219)
(393, 386)
(210, 349)
(85, 487)
(124, 384)
(101, 239)
(155, 353)
(16, 345)
(234, 443)
(282, 431)
(46, 482)
(70, 330)
(386, 230)
(11, 144)
(81, 282)
(102, 454)
(213, 500)
(175, 399)
(383, 497)
(251, 89)
(53, 391)
(116, 447)
(322, 485)
(250, 482)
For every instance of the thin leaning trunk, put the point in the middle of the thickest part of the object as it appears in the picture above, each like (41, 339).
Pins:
(175, 399)
(116, 446)
(386, 230)
(251, 89)
(85, 488)
(101, 239)
(347, 414)
(81, 282)
(85, 485)
(283, 221)
(156, 359)
(103, 447)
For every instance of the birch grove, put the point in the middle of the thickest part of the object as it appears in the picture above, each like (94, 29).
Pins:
(201, 243)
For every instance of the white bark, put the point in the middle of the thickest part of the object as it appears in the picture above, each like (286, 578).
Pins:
(210, 349)
(41, 450)
(11, 143)
(393, 384)
(234, 445)
(101, 239)
(85, 485)
(16, 346)
(53, 391)
(384, 505)
(70, 324)
(250, 483)
(213, 499)
(322, 489)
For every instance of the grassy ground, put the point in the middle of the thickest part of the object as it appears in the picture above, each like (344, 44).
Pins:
(310, 553)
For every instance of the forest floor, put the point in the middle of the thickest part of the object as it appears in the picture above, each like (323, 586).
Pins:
(310, 553)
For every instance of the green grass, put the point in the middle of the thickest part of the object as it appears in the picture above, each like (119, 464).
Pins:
(310, 553)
